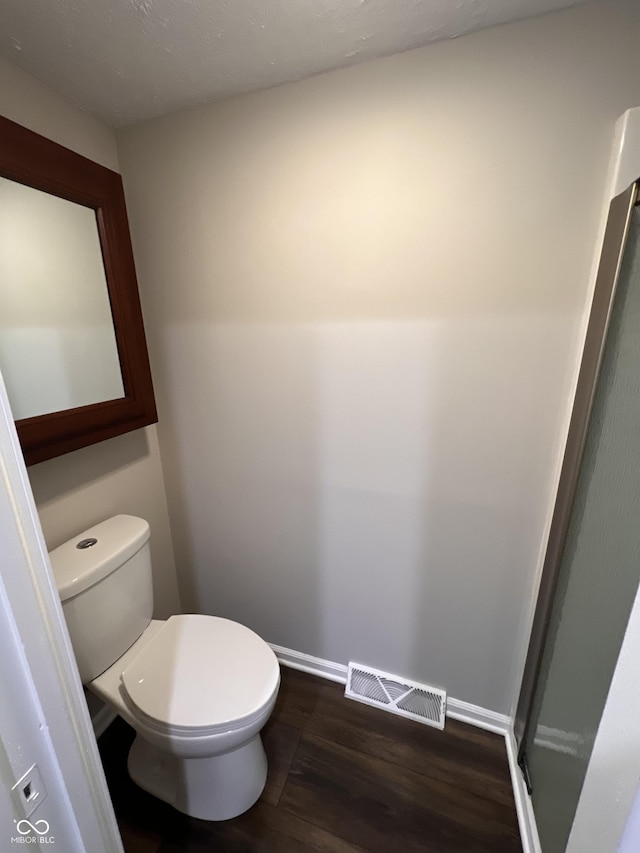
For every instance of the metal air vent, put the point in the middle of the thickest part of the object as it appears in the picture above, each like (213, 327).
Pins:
(397, 695)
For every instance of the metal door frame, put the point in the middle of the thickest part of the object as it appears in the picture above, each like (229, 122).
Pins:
(613, 246)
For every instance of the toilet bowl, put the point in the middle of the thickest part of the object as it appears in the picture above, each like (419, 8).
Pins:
(196, 689)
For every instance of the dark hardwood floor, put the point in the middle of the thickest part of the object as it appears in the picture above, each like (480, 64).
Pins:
(342, 777)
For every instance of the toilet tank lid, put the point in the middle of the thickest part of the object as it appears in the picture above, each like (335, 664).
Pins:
(75, 568)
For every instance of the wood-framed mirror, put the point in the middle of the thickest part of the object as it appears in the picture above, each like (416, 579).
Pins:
(43, 325)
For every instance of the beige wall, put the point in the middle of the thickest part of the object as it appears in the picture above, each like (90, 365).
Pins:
(365, 293)
(125, 473)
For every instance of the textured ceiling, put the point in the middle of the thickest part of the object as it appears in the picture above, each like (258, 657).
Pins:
(128, 60)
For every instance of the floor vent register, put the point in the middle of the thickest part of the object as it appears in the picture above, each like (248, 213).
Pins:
(396, 695)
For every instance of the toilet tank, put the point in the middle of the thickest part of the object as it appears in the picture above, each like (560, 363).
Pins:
(103, 577)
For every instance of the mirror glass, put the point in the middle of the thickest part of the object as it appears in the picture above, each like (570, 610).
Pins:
(57, 343)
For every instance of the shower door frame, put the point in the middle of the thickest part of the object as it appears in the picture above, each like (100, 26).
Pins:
(613, 246)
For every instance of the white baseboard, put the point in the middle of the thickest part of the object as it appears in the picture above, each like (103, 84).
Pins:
(308, 663)
(524, 807)
(474, 715)
(457, 710)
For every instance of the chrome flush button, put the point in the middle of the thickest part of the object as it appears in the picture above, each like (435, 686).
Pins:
(86, 543)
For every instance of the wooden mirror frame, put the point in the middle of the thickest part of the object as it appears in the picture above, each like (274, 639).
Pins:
(33, 160)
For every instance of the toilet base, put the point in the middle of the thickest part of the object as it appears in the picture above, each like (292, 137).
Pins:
(218, 787)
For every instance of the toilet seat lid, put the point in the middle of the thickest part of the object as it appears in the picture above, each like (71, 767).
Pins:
(202, 672)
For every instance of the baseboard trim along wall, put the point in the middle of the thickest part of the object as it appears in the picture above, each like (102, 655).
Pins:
(312, 665)
(524, 808)
(474, 715)
(457, 710)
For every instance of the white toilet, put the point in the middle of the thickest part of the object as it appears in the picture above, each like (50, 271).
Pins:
(196, 689)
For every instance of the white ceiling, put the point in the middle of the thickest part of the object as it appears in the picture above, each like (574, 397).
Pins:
(128, 60)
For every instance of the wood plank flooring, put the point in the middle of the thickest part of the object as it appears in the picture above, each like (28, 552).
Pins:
(343, 777)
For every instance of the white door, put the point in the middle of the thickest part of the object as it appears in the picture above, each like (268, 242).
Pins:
(52, 784)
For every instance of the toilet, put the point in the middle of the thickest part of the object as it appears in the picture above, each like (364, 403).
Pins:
(196, 689)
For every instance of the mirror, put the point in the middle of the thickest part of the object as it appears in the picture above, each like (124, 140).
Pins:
(57, 344)
(72, 348)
